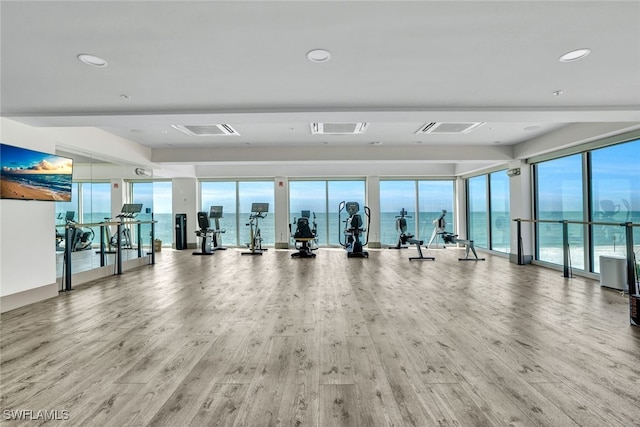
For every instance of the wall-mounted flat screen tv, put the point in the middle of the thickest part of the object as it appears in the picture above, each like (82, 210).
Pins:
(32, 175)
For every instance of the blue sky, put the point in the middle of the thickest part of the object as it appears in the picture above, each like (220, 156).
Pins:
(18, 160)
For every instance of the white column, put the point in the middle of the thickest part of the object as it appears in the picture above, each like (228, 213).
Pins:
(281, 212)
(119, 195)
(372, 200)
(520, 197)
(185, 200)
(461, 208)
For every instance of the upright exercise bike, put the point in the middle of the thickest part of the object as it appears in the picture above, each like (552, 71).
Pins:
(354, 229)
(258, 211)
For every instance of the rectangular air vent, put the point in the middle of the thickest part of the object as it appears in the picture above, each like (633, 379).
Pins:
(338, 128)
(449, 128)
(206, 130)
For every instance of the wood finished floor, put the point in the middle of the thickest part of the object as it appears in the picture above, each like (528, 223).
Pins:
(268, 340)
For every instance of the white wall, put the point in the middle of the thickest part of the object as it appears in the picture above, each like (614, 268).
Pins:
(27, 246)
(281, 211)
(373, 202)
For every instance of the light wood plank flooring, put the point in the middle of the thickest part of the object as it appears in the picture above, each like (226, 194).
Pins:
(269, 340)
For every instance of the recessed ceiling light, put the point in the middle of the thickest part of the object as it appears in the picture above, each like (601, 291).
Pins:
(318, 55)
(125, 97)
(558, 92)
(574, 55)
(94, 61)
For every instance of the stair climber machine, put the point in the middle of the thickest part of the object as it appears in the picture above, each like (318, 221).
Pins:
(354, 229)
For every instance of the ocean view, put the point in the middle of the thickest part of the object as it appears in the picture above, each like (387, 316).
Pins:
(608, 240)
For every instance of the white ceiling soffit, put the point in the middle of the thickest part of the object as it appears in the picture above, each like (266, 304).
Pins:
(206, 130)
(449, 128)
(338, 128)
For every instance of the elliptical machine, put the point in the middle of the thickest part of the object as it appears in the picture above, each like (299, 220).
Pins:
(354, 229)
(80, 238)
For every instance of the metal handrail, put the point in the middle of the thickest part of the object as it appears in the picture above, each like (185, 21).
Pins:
(67, 249)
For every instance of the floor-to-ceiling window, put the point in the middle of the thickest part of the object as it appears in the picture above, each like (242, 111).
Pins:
(559, 196)
(396, 196)
(310, 196)
(500, 211)
(478, 210)
(250, 192)
(615, 198)
(222, 193)
(598, 185)
(236, 199)
(489, 212)
(323, 198)
(434, 198)
(343, 191)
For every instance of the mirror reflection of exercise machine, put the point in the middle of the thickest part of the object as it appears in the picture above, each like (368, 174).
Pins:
(123, 236)
(354, 229)
(305, 235)
(205, 233)
(80, 238)
(439, 227)
(258, 210)
(215, 213)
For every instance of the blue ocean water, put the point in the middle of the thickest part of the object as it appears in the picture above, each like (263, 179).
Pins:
(329, 232)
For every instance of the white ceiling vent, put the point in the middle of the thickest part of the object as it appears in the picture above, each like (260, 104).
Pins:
(338, 128)
(449, 128)
(206, 130)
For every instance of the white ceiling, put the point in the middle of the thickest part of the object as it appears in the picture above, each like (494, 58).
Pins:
(396, 65)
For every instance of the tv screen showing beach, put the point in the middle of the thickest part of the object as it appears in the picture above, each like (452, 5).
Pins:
(32, 175)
